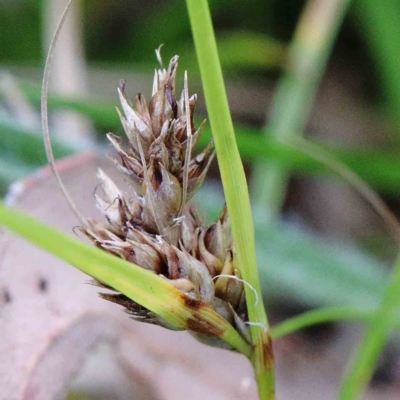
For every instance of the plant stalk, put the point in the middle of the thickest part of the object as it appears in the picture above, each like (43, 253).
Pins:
(235, 189)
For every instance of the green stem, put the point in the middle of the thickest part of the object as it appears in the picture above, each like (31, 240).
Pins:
(235, 188)
(308, 54)
(374, 340)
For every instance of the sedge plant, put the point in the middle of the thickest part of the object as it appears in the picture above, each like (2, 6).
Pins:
(158, 258)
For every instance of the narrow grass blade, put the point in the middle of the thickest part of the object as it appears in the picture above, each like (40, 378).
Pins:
(308, 54)
(145, 288)
(235, 188)
(373, 341)
(380, 28)
(319, 316)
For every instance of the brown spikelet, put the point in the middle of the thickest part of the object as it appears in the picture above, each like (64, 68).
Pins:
(152, 224)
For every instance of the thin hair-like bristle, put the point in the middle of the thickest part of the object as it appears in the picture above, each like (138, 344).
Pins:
(44, 116)
(188, 144)
(239, 280)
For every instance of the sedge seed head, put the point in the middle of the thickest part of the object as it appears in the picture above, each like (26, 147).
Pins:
(152, 224)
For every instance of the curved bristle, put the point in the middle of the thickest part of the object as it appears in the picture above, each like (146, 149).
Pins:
(44, 114)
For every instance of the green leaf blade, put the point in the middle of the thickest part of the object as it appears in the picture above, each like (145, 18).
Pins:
(142, 286)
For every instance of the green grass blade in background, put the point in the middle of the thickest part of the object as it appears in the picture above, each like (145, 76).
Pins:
(319, 316)
(308, 55)
(374, 339)
(380, 168)
(380, 29)
(323, 315)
